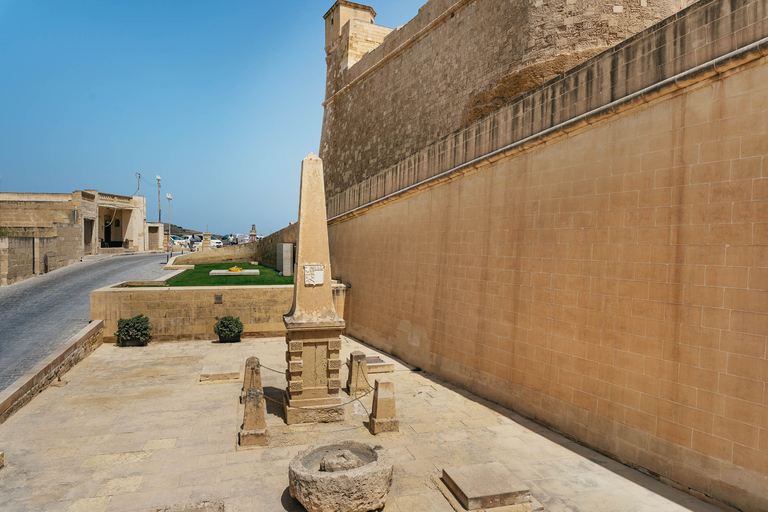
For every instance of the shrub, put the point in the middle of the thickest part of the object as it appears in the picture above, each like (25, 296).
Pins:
(228, 327)
(133, 328)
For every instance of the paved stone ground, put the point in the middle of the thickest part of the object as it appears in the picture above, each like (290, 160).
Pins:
(133, 430)
(39, 314)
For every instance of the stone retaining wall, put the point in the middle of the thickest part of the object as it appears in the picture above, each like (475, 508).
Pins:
(189, 312)
(225, 254)
(77, 348)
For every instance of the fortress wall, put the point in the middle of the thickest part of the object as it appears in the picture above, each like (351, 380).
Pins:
(452, 63)
(611, 283)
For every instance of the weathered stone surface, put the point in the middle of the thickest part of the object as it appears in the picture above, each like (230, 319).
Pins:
(312, 299)
(359, 489)
(357, 378)
(203, 506)
(383, 416)
(254, 429)
(252, 377)
(218, 372)
(2, 459)
(482, 486)
(340, 461)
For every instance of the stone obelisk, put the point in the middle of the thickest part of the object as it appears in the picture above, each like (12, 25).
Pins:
(313, 326)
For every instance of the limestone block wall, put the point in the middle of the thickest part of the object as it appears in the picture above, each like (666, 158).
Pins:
(64, 249)
(611, 282)
(15, 259)
(452, 63)
(186, 313)
(267, 248)
(227, 253)
(33, 210)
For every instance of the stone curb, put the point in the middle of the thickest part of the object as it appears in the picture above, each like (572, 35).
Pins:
(74, 350)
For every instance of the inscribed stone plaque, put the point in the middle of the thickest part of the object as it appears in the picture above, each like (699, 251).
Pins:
(313, 275)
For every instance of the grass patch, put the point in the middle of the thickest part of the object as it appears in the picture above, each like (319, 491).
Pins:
(199, 276)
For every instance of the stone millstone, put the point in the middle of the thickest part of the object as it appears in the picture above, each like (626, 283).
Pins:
(359, 489)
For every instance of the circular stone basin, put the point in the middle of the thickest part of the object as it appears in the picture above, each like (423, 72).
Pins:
(347, 476)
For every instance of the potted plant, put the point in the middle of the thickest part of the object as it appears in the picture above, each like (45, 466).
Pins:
(228, 329)
(133, 332)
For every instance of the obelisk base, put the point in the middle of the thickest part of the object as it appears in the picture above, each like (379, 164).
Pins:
(332, 411)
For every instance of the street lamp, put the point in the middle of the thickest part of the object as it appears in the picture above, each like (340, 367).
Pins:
(170, 240)
(159, 213)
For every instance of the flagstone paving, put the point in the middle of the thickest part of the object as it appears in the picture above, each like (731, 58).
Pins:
(134, 429)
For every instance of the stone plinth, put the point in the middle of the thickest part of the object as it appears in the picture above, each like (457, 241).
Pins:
(383, 416)
(313, 328)
(234, 273)
(252, 377)
(357, 378)
(313, 376)
(254, 429)
(484, 486)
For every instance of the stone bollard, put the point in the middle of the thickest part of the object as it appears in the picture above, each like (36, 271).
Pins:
(252, 377)
(383, 417)
(254, 429)
(357, 380)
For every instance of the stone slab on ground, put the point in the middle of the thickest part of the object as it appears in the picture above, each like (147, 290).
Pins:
(219, 372)
(490, 485)
(234, 273)
(133, 431)
(377, 365)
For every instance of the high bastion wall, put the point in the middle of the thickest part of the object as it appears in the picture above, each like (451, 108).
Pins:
(595, 253)
(391, 92)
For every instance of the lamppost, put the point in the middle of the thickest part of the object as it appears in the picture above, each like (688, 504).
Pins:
(170, 240)
(159, 213)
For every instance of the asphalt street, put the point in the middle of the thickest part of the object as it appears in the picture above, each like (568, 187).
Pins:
(38, 315)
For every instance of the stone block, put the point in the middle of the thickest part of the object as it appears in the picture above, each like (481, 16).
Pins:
(483, 486)
(383, 416)
(252, 376)
(376, 364)
(357, 378)
(320, 414)
(253, 432)
(213, 373)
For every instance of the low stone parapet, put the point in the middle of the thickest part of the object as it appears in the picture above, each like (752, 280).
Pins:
(189, 312)
(77, 348)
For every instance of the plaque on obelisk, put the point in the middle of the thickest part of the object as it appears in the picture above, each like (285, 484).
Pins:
(313, 326)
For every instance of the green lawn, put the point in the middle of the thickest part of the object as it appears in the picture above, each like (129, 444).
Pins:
(199, 276)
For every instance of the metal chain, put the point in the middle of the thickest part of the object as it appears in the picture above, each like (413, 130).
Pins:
(355, 399)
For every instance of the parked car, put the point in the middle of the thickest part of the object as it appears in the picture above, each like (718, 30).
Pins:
(177, 240)
(216, 243)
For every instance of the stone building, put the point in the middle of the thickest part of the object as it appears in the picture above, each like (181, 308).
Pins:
(562, 207)
(43, 232)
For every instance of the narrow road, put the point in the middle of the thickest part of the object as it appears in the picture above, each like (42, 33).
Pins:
(38, 315)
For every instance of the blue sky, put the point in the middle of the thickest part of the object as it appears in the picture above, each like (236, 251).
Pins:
(221, 99)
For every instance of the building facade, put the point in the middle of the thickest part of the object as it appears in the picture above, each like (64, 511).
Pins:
(42, 232)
